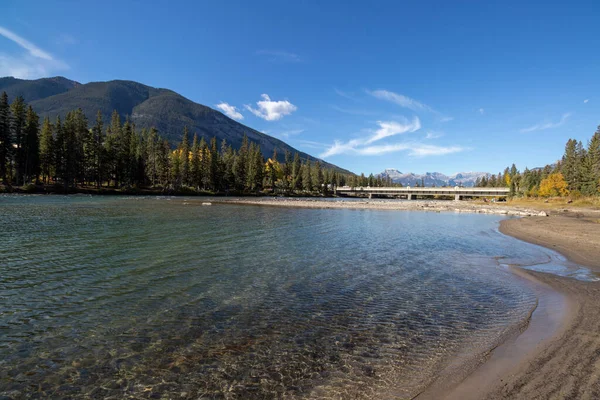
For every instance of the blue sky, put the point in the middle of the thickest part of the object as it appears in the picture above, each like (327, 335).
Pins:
(416, 86)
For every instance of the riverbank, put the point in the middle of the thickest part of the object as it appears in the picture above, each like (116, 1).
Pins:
(567, 366)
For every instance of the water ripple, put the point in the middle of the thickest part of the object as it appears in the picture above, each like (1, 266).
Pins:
(148, 297)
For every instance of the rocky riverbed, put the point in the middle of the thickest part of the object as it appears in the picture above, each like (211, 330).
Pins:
(382, 204)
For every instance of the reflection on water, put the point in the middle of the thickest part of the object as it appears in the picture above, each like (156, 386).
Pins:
(163, 298)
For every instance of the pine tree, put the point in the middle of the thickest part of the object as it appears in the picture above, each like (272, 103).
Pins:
(47, 151)
(195, 167)
(307, 176)
(241, 162)
(124, 155)
(593, 160)
(228, 157)
(82, 134)
(5, 138)
(205, 164)
(98, 153)
(112, 148)
(296, 175)
(59, 144)
(19, 116)
(32, 146)
(215, 166)
(570, 167)
(175, 163)
(317, 176)
(287, 171)
(255, 168)
(185, 157)
(152, 152)
(163, 162)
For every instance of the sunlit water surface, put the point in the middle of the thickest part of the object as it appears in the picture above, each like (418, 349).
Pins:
(137, 297)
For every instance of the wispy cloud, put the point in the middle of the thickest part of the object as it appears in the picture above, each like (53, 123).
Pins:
(386, 129)
(349, 96)
(585, 101)
(547, 125)
(352, 111)
(64, 39)
(230, 111)
(34, 63)
(289, 133)
(407, 102)
(400, 99)
(414, 149)
(27, 45)
(433, 135)
(312, 144)
(270, 110)
(279, 56)
(393, 128)
(481, 111)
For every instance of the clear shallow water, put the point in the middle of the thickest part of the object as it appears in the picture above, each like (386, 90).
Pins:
(165, 298)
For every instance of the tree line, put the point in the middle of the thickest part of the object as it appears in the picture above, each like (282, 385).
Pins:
(70, 153)
(576, 174)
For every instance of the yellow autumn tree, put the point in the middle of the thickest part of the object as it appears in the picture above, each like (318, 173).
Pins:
(554, 185)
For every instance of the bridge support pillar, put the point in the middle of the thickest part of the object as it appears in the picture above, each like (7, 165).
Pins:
(370, 195)
(409, 196)
(456, 197)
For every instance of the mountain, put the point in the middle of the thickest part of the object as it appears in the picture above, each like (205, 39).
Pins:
(433, 178)
(146, 106)
(35, 89)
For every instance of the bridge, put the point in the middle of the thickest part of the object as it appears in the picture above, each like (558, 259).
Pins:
(409, 193)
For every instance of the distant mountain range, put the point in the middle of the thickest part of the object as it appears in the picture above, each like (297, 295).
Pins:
(466, 179)
(167, 111)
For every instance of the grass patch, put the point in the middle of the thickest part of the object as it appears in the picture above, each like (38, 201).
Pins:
(557, 202)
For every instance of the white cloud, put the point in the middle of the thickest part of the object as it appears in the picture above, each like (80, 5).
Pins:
(481, 111)
(547, 125)
(585, 101)
(392, 128)
(230, 111)
(35, 63)
(280, 56)
(446, 119)
(271, 110)
(400, 99)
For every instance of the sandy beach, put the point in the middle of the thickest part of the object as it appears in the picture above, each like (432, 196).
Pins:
(567, 364)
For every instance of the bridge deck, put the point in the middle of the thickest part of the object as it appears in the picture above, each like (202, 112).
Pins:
(457, 192)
